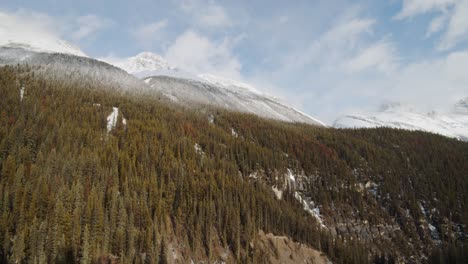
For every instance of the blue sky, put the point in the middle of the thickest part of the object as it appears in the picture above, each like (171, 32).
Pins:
(325, 57)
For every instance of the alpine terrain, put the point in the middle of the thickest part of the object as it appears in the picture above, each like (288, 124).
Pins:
(452, 124)
(196, 89)
(142, 162)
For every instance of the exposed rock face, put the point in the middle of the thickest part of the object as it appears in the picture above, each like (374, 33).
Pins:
(279, 249)
(403, 232)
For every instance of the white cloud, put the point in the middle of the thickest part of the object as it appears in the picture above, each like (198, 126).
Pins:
(435, 83)
(348, 67)
(39, 31)
(90, 24)
(150, 33)
(453, 19)
(333, 47)
(380, 56)
(457, 28)
(199, 54)
(206, 13)
(26, 26)
(437, 24)
(412, 8)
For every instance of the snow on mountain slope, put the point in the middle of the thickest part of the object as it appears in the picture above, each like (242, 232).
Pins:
(147, 64)
(453, 124)
(207, 89)
(226, 83)
(72, 68)
(42, 45)
(192, 93)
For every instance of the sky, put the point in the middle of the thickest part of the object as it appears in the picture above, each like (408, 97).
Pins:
(327, 58)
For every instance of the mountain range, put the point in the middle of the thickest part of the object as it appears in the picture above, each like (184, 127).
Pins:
(197, 89)
(191, 89)
(138, 161)
(451, 124)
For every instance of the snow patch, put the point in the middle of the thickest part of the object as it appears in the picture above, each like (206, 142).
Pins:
(434, 234)
(310, 208)
(21, 93)
(423, 210)
(278, 192)
(211, 119)
(112, 119)
(198, 149)
(291, 179)
(234, 133)
(291, 176)
(253, 175)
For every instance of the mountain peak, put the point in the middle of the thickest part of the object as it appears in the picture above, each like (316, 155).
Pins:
(461, 107)
(144, 64)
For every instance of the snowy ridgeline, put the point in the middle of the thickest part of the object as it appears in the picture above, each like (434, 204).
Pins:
(112, 119)
(193, 93)
(183, 89)
(451, 124)
(70, 68)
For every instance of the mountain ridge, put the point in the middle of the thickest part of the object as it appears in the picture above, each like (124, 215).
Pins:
(149, 67)
(453, 123)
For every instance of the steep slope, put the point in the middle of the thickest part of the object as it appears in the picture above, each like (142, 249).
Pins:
(45, 44)
(147, 64)
(71, 68)
(191, 93)
(168, 184)
(91, 193)
(453, 124)
(192, 89)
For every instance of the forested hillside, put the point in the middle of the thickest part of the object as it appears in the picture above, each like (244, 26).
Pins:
(156, 183)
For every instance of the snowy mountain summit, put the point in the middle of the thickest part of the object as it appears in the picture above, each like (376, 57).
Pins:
(144, 64)
(451, 124)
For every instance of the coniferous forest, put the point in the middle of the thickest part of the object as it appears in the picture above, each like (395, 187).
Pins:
(165, 179)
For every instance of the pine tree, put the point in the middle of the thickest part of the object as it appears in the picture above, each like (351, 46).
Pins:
(85, 247)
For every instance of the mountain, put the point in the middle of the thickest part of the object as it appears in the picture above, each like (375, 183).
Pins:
(452, 124)
(90, 175)
(191, 93)
(196, 89)
(93, 171)
(44, 45)
(60, 60)
(64, 62)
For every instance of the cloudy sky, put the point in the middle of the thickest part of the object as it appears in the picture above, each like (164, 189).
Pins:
(325, 57)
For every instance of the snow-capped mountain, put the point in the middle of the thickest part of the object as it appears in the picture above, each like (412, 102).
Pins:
(143, 65)
(192, 89)
(192, 93)
(58, 59)
(44, 45)
(59, 63)
(452, 124)
(226, 83)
